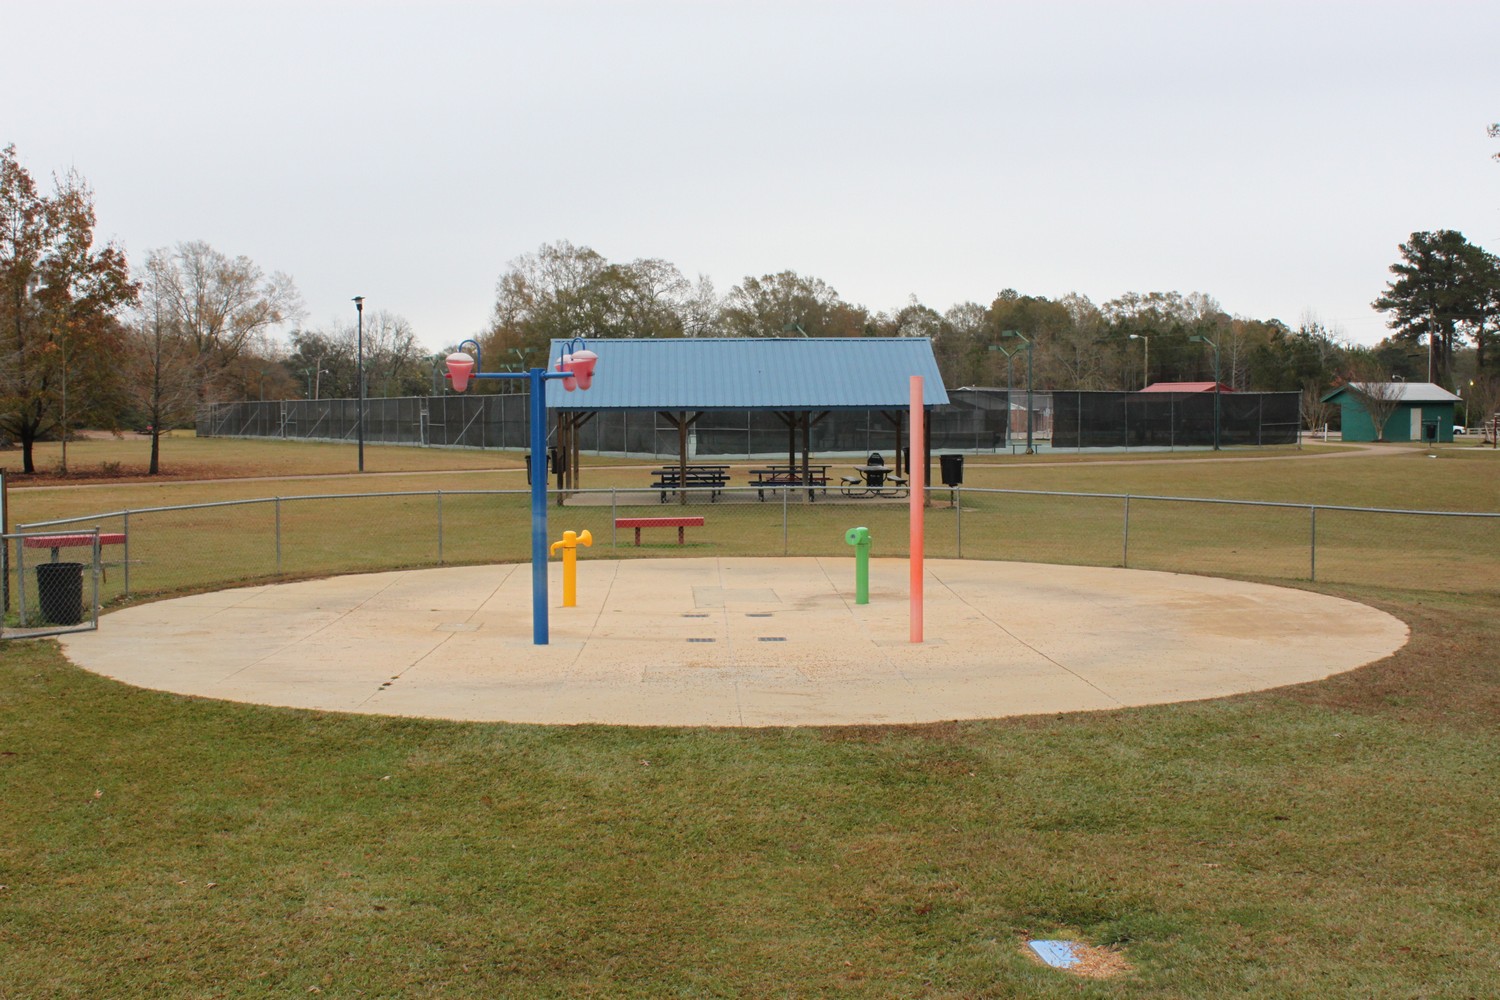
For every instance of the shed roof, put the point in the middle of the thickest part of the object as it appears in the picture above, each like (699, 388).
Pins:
(806, 373)
(1406, 392)
(1185, 387)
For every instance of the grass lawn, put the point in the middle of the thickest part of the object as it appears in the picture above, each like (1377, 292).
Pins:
(1329, 840)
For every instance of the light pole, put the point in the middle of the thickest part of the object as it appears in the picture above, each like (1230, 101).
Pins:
(1030, 447)
(359, 375)
(1210, 343)
(1010, 357)
(314, 380)
(1146, 361)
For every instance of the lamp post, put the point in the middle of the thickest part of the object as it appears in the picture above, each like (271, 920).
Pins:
(1030, 447)
(1146, 361)
(1010, 357)
(1204, 340)
(359, 375)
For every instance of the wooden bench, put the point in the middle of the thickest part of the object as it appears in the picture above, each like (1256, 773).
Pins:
(659, 522)
(55, 542)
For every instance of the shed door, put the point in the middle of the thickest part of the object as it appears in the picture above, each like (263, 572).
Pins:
(1416, 424)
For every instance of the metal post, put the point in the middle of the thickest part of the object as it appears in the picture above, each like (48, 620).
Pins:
(786, 544)
(94, 602)
(440, 526)
(539, 552)
(1312, 572)
(1125, 545)
(614, 515)
(918, 482)
(958, 522)
(1214, 344)
(1030, 447)
(4, 545)
(278, 536)
(125, 548)
(359, 368)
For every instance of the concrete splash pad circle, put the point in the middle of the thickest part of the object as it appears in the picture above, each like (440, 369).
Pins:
(737, 642)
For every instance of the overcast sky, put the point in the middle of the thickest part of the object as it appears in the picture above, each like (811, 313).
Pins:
(1272, 155)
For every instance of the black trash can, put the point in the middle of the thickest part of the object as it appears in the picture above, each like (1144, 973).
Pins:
(953, 469)
(555, 463)
(59, 587)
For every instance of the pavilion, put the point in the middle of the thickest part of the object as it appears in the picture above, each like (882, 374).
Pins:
(801, 380)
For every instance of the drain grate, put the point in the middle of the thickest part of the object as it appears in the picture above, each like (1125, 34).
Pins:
(703, 640)
(770, 638)
(694, 614)
(759, 614)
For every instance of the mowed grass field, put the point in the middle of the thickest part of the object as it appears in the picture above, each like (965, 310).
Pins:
(483, 514)
(1329, 840)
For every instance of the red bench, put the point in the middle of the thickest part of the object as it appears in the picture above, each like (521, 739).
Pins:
(659, 522)
(55, 542)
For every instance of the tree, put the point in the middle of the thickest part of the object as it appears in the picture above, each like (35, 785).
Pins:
(160, 373)
(58, 300)
(1481, 400)
(1444, 285)
(221, 307)
(1379, 396)
(960, 346)
(1289, 360)
(1074, 354)
(1315, 411)
(786, 304)
(322, 362)
(565, 291)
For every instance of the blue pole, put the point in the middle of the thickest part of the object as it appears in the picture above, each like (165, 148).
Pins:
(537, 377)
(539, 631)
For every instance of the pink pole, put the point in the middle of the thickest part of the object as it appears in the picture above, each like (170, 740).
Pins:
(917, 471)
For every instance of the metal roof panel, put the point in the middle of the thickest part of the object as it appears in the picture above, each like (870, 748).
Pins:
(754, 374)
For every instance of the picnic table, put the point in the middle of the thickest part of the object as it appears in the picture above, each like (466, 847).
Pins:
(670, 479)
(774, 477)
(874, 481)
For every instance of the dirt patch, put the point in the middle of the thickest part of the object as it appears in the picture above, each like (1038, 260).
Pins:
(82, 475)
(1091, 962)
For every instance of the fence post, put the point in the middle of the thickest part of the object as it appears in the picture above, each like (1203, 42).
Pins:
(786, 545)
(1312, 573)
(1125, 545)
(278, 536)
(614, 514)
(958, 522)
(440, 526)
(125, 548)
(94, 602)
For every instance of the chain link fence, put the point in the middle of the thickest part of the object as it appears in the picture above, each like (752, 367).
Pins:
(174, 550)
(50, 581)
(976, 420)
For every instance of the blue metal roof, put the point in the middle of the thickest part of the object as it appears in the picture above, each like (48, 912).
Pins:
(806, 373)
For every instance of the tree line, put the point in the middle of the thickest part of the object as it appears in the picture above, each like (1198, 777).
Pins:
(1443, 305)
(88, 340)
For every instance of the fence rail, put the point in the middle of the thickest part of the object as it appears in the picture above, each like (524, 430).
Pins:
(265, 539)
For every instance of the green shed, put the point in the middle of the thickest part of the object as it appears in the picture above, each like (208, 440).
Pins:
(1417, 411)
